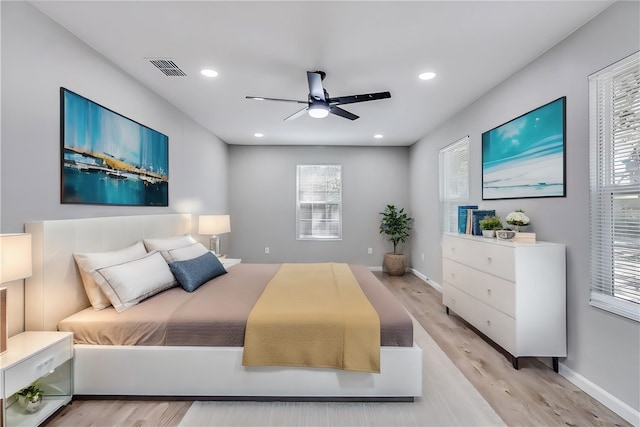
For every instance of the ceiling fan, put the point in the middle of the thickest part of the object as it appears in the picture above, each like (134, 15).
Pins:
(319, 104)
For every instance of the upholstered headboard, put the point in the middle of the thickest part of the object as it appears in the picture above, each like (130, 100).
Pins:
(55, 290)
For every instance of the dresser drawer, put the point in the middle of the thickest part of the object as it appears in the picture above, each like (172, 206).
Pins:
(456, 248)
(488, 256)
(495, 259)
(496, 325)
(500, 328)
(36, 366)
(494, 291)
(464, 305)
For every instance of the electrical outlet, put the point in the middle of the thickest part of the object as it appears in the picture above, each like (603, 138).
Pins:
(266, 250)
(423, 257)
(369, 251)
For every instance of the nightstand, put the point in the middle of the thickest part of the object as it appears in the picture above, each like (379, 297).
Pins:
(45, 356)
(229, 262)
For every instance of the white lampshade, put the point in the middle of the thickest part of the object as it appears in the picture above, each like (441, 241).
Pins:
(214, 224)
(15, 257)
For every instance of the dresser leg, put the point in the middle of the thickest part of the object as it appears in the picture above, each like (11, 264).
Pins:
(514, 362)
(446, 310)
(555, 364)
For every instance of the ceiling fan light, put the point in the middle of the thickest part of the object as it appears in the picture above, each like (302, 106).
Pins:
(318, 111)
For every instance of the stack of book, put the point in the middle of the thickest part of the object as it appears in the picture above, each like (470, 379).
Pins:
(469, 219)
(525, 237)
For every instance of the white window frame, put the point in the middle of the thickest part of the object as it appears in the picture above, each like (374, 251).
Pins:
(454, 182)
(320, 225)
(614, 134)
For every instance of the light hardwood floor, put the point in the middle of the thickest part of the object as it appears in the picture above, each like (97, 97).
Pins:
(531, 396)
(534, 395)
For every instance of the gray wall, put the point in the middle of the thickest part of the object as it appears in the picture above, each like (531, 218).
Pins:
(602, 348)
(262, 185)
(39, 56)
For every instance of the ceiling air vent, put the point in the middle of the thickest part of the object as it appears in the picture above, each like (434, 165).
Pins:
(169, 68)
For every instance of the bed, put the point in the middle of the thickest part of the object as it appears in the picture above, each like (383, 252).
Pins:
(161, 363)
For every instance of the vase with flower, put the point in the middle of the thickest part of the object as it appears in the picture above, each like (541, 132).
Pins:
(518, 219)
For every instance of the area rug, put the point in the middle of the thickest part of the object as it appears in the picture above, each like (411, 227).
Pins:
(448, 399)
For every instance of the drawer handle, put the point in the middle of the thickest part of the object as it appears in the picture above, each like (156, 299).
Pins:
(489, 260)
(488, 322)
(453, 275)
(46, 366)
(489, 292)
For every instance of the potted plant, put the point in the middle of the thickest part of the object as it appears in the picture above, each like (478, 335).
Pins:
(30, 397)
(489, 225)
(518, 219)
(396, 224)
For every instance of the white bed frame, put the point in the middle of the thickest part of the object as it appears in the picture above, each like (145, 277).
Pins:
(55, 291)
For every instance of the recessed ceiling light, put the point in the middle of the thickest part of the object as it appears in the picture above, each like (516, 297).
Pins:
(427, 76)
(378, 136)
(209, 73)
(258, 135)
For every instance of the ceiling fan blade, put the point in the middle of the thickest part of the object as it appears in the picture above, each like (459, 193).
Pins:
(297, 114)
(316, 90)
(342, 113)
(358, 98)
(262, 98)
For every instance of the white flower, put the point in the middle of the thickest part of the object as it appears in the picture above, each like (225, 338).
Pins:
(517, 218)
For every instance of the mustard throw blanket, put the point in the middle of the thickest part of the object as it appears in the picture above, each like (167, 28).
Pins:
(313, 315)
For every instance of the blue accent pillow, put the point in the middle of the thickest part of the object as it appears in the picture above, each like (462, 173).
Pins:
(192, 273)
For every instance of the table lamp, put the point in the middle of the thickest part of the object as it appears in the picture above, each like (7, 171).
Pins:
(214, 225)
(15, 264)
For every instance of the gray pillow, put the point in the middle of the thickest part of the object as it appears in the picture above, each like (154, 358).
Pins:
(192, 273)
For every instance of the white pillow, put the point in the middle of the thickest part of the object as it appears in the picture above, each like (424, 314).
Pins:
(165, 244)
(91, 261)
(186, 253)
(129, 283)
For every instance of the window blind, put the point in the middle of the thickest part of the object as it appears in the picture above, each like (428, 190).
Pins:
(614, 110)
(454, 182)
(319, 202)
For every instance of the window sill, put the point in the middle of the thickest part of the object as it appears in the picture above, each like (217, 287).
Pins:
(614, 305)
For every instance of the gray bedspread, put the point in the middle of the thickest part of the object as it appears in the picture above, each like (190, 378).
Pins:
(216, 313)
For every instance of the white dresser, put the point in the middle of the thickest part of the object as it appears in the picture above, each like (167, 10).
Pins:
(514, 293)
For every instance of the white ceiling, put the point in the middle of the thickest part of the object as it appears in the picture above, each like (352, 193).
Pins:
(264, 48)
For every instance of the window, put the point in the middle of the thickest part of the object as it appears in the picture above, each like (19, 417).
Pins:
(614, 113)
(319, 202)
(454, 182)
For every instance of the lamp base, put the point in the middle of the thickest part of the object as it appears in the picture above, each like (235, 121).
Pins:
(214, 244)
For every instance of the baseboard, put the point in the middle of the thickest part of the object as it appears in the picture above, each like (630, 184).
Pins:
(375, 268)
(435, 285)
(607, 399)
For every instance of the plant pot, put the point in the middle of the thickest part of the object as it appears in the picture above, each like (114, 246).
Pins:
(29, 405)
(490, 234)
(394, 264)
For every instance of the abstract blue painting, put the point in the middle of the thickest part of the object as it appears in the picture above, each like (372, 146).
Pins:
(108, 158)
(525, 157)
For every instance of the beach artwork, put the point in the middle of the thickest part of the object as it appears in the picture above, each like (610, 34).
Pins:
(108, 159)
(525, 157)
